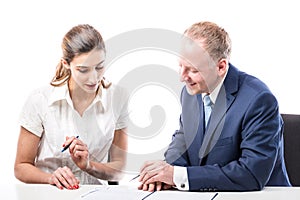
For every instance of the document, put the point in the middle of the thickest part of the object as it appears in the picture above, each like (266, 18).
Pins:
(115, 193)
(130, 193)
(175, 194)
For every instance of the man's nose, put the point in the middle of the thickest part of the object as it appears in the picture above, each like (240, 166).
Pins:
(183, 74)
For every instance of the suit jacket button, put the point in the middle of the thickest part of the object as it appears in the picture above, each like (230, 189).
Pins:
(182, 185)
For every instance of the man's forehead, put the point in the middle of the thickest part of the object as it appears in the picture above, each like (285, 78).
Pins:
(193, 54)
(189, 44)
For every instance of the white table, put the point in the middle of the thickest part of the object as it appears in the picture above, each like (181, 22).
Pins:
(45, 192)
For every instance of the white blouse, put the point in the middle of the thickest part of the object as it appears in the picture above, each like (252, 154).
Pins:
(49, 114)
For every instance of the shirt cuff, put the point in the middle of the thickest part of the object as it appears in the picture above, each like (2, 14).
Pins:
(180, 178)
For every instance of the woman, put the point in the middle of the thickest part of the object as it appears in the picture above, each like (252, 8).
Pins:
(79, 111)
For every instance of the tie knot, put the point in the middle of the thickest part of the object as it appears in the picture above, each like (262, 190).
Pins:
(207, 101)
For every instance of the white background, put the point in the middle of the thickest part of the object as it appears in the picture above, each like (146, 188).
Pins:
(265, 37)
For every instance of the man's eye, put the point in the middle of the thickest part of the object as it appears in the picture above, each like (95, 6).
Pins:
(98, 68)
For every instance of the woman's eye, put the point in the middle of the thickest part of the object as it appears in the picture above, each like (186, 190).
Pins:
(99, 68)
(82, 70)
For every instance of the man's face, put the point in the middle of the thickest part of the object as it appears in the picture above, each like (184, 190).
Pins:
(196, 68)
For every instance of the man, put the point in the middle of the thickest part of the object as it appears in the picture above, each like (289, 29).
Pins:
(238, 145)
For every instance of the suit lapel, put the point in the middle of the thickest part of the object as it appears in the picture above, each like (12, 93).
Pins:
(224, 101)
(195, 124)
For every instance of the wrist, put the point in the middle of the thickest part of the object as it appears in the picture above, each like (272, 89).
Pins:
(172, 175)
(49, 179)
(88, 166)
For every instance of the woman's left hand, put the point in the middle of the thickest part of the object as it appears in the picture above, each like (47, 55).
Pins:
(79, 152)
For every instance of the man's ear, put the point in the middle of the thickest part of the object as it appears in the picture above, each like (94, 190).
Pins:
(222, 67)
(65, 63)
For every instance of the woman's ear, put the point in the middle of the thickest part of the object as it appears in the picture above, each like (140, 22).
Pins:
(65, 63)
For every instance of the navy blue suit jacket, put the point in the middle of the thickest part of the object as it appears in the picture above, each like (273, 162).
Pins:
(242, 147)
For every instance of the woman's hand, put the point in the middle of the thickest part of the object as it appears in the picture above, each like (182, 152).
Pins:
(63, 177)
(79, 152)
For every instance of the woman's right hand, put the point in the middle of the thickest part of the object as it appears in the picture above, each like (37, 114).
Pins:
(64, 178)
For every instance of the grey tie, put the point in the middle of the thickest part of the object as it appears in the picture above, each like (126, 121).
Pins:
(207, 108)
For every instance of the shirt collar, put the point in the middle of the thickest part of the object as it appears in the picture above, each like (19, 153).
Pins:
(59, 93)
(214, 94)
(62, 93)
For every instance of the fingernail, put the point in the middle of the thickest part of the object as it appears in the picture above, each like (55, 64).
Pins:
(64, 145)
(70, 188)
(61, 187)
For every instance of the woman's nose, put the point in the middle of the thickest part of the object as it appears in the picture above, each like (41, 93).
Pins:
(93, 76)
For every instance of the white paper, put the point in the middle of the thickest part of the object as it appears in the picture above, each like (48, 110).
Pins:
(130, 193)
(174, 195)
(115, 193)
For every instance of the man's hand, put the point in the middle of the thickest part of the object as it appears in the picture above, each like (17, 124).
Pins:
(156, 172)
(154, 186)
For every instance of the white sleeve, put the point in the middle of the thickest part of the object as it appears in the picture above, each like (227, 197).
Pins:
(180, 178)
(30, 117)
(122, 106)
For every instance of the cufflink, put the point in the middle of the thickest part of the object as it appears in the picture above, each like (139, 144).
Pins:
(182, 185)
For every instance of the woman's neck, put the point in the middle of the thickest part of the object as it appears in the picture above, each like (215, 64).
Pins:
(81, 99)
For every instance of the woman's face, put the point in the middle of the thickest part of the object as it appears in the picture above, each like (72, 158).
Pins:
(87, 71)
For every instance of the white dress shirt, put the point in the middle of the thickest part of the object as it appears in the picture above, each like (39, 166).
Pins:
(49, 114)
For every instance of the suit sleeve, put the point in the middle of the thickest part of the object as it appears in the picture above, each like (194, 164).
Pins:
(176, 153)
(260, 136)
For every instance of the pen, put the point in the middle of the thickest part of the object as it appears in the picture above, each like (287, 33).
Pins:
(214, 196)
(66, 147)
(147, 195)
(134, 177)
